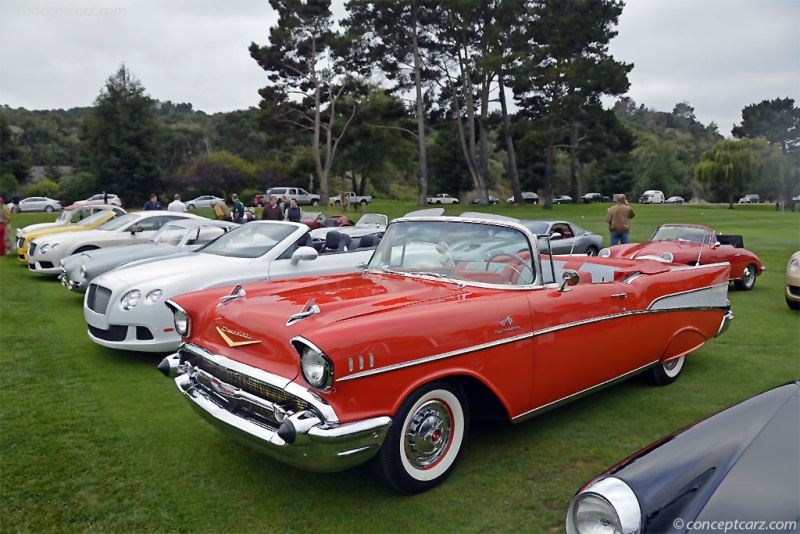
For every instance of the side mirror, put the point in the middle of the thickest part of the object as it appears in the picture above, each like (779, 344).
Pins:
(569, 278)
(555, 235)
(136, 228)
(304, 254)
(717, 244)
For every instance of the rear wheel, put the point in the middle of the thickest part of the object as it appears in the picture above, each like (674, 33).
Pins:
(189, 206)
(425, 439)
(48, 209)
(748, 280)
(666, 373)
(315, 202)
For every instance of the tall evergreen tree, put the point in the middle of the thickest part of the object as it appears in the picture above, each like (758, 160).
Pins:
(121, 140)
(13, 160)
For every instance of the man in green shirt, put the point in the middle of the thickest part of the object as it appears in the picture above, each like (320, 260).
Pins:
(238, 209)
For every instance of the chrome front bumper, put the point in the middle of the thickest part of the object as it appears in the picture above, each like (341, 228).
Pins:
(310, 438)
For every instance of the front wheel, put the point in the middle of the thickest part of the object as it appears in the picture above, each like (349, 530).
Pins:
(425, 439)
(666, 373)
(189, 206)
(748, 280)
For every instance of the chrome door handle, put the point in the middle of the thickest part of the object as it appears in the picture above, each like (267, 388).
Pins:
(620, 295)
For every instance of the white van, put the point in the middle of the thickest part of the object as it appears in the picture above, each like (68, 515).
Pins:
(652, 197)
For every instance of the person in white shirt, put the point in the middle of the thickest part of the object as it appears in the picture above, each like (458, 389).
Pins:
(176, 205)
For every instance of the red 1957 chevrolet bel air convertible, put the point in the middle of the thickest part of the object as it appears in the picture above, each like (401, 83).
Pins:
(452, 317)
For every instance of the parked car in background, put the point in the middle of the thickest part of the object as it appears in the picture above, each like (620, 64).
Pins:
(259, 201)
(703, 475)
(317, 219)
(125, 308)
(652, 196)
(176, 237)
(46, 252)
(46, 204)
(202, 202)
(590, 198)
(69, 215)
(675, 200)
(326, 373)
(750, 199)
(303, 197)
(562, 237)
(442, 198)
(694, 244)
(90, 222)
(562, 199)
(351, 198)
(793, 282)
(527, 198)
(105, 198)
(492, 200)
(369, 223)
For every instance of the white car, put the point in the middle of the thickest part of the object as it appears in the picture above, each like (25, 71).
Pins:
(175, 237)
(105, 198)
(49, 205)
(45, 253)
(125, 308)
(205, 201)
(369, 223)
(442, 198)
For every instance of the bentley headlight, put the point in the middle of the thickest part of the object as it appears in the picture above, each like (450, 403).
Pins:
(607, 506)
(668, 256)
(794, 265)
(182, 322)
(44, 249)
(317, 368)
(130, 299)
(83, 271)
(604, 253)
(154, 296)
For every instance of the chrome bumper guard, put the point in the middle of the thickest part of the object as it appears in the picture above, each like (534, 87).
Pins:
(303, 439)
(726, 322)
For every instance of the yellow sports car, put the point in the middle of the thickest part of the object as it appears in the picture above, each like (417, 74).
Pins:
(90, 222)
(793, 282)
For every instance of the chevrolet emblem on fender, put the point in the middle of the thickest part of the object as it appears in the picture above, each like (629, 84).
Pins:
(224, 331)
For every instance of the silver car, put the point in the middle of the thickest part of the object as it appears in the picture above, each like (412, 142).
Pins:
(177, 237)
(205, 201)
(564, 237)
(38, 204)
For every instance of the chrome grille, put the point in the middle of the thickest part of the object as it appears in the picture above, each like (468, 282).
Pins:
(98, 298)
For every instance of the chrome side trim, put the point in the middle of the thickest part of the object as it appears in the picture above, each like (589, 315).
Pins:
(570, 398)
(712, 296)
(279, 382)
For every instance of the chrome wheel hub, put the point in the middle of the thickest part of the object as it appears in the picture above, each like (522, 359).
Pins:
(428, 434)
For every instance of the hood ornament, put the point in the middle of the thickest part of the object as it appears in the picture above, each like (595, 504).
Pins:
(224, 331)
(236, 292)
(309, 310)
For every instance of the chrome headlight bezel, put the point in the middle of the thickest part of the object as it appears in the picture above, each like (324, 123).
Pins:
(130, 299)
(153, 296)
(315, 366)
(182, 321)
(668, 257)
(608, 502)
(604, 252)
(794, 265)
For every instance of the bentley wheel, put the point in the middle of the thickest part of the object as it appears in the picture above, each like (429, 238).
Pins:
(425, 439)
(666, 373)
(748, 280)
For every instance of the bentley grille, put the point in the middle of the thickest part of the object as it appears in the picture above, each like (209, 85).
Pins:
(98, 298)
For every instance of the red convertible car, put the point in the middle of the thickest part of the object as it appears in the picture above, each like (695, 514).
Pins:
(693, 244)
(452, 318)
(317, 219)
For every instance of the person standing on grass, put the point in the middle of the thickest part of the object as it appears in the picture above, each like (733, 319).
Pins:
(153, 203)
(5, 221)
(272, 212)
(293, 213)
(619, 221)
(177, 205)
(238, 209)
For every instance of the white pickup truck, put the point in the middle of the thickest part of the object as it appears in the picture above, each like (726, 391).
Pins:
(352, 199)
(442, 198)
(303, 197)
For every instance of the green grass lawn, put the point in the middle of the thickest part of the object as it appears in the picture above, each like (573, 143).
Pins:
(93, 439)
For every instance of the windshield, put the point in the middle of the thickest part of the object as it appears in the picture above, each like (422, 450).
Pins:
(373, 219)
(169, 234)
(93, 219)
(692, 234)
(250, 240)
(118, 222)
(464, 251)
(537, 227)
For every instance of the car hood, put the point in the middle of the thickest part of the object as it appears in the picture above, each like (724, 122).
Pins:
(38, 227)
(119, 255)
(654, 248)
(360, 313)
(59, 229)
(707, 471)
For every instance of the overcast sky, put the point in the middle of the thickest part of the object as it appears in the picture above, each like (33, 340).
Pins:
(717, 55)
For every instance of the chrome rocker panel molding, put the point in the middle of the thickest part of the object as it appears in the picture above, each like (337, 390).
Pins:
(303, 440)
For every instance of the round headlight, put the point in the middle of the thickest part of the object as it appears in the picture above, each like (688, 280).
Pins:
(604, 253)
(44, 249)
(317, 369)
(83, 271)
(182, 322)
(668, 256)
(607, 506)
(130, 299)
(794, 265)
(154, 296)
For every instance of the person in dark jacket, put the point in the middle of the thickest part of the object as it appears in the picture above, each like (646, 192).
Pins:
(293, 213)
(272, 212)
(153, 203)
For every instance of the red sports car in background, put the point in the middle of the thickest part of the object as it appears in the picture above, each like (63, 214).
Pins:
(694, 244)
(317, 219)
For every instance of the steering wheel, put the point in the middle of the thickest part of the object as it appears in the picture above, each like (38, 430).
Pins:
(525, 265)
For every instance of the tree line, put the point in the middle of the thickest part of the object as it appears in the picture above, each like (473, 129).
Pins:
(406, 98)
